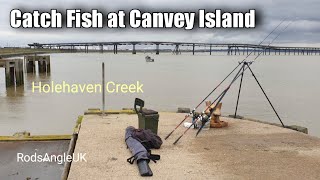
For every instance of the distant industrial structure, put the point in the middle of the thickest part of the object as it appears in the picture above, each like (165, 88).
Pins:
(176, 47)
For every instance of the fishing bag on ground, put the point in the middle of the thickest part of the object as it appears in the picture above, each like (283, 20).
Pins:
(140, 153)
(147, 138)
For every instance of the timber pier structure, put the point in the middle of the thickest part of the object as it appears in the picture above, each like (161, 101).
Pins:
(15, 68)
(178, 47)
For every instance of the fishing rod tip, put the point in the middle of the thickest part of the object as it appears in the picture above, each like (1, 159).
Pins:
(177, 140)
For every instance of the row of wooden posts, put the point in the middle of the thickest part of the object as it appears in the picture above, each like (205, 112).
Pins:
(15, 68)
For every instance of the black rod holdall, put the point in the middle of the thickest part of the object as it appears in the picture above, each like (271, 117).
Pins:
(140, 153)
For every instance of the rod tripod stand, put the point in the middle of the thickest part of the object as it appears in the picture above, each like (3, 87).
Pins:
(244, 65)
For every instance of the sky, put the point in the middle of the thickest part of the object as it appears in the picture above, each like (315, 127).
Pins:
(304, 29)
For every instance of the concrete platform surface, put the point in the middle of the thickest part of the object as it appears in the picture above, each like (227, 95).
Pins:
(11, 168)
(244, 150)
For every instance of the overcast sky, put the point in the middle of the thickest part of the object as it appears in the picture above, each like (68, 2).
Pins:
(304, 30)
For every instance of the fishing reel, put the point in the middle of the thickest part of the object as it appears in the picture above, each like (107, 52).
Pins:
(204, 119)
(195, 116)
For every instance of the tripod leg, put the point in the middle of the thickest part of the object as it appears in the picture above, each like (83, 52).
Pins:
(235, 113)
(266, 96)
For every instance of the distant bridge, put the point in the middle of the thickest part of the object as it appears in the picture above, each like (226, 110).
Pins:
(230, 49)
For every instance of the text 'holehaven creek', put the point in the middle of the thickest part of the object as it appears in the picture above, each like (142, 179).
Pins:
(64, 87)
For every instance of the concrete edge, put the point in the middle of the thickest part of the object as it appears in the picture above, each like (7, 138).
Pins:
(292, 127)
(95, 111)
(67, 165)
(36, 138)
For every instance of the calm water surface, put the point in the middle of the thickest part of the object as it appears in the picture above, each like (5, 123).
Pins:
(292, 83)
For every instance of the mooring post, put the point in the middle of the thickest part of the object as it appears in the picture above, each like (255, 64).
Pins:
(210, 49)
(103, 90)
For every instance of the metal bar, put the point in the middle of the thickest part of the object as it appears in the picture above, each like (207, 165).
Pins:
(265, 95)
(103, 90)
(235, 113)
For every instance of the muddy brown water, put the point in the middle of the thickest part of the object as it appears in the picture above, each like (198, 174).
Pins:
(171, 81)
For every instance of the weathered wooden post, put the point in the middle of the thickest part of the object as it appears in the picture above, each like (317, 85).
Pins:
(30, 66)
(42, 66)
(21, 72)
(17, 72)
(9, 74)
(48, 65)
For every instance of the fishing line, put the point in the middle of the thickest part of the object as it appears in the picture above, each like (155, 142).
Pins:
(234, 79)
(239, 74)
(188, 115)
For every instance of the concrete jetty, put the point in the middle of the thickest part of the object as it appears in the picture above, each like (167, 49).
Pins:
(13, 71)
(243, 150)
(43, 63)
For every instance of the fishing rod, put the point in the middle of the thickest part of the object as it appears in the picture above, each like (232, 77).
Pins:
(205, 116)
(238, 75)
(225, 91)
(188, 115)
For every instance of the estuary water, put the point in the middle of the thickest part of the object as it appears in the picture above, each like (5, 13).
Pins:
(291, 82)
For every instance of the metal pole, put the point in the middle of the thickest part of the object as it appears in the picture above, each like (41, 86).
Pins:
(235, 113)
(103, 90)
(266, 96)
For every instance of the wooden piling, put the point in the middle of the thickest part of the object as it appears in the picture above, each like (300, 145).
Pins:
(17, 73)
(48, 66)
(42, 66)
(30, 66)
